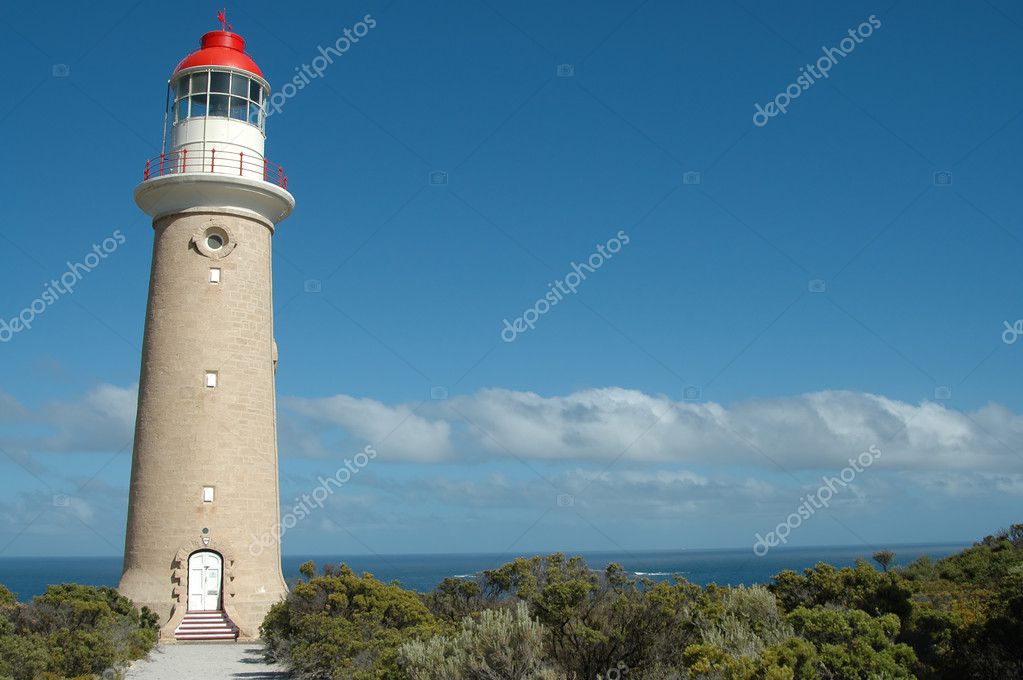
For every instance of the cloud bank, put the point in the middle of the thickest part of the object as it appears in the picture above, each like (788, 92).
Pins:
(812, 431)
(818, 430)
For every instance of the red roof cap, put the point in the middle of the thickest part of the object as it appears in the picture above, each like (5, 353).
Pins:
(221, 48)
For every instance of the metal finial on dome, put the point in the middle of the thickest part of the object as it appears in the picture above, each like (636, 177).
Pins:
(222, 18)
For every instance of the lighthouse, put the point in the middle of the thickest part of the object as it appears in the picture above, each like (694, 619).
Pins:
(202, 543)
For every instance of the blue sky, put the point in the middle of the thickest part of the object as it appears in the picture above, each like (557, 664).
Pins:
(900, 347)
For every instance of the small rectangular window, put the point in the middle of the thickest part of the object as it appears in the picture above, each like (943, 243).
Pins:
(211, 378)
(214, 275)
(207, 494)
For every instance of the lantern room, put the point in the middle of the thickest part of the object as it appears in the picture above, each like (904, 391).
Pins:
(217, 106)
(215, 131)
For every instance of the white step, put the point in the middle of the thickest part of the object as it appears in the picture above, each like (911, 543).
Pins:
(206, 636)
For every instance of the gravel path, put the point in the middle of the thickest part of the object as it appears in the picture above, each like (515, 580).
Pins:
(217, 661)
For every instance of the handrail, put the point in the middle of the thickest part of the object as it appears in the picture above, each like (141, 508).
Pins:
(212, 161)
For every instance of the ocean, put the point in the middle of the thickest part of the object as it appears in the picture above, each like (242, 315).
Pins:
(29, 576)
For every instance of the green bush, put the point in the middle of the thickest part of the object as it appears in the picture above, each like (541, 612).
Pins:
(7, 598)
(343, 626)
(455, 598)
(852, 644)
(600, 619)
(749, 623)
(553, 618)
(860, 587)
(501, 644)
(72, 631)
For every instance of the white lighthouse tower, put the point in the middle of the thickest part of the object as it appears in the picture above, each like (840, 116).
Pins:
(202, 547)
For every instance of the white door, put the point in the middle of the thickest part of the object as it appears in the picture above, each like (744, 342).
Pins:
(204, 582)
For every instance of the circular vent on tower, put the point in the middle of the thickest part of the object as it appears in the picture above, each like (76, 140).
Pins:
(215, 241)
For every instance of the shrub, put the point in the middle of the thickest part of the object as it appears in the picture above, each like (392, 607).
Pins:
(852, 644)
(860, 587)
(599, 619)
(454, 598)
(501, 644)
(7, 598)
(344, 626)
(72, 631)
(750, 622)
(553, 618)
(24, 656)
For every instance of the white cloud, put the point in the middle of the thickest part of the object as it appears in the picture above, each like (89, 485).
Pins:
(42, 512)
(819, 430)
(813, 431)
(979, 484)
(103, 419)
(397, 432)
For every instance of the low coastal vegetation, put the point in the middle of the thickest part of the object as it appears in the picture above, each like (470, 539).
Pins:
(72, 631)
(554, 618)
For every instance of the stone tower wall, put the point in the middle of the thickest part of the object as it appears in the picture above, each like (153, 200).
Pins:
(189, 435)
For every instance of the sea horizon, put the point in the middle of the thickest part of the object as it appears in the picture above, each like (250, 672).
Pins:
(27, 576)
(879, 546)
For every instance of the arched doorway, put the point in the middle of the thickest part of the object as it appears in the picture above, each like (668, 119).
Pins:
(205, 575)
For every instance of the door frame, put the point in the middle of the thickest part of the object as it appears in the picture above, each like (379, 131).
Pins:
(220, 585)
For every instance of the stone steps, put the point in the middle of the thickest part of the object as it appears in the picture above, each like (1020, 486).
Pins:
(206, 626)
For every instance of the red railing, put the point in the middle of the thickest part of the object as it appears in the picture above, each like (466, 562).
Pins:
(219, 162)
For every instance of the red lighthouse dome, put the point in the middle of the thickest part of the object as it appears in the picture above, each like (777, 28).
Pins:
(221, 48)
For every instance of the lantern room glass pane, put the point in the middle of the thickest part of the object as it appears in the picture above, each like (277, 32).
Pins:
(255, 91)
(239, 85)
(220, 82)
(198, 105)
(253, 113)
(238, 108)
(182, 87)
(219, 105)
(199, 82)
